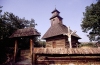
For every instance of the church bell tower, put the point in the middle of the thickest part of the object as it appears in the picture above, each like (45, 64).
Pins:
(56, 18)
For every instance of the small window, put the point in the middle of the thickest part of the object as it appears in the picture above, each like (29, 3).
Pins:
(54, 44)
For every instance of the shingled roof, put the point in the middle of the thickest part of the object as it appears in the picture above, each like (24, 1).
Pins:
(57, 29)
(55, 10)
(56, 16)
(67, 50)
(30, 31)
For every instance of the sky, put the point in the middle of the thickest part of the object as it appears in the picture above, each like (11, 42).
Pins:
(40, 10)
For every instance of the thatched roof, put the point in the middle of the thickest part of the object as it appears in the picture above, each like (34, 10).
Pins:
(67, 50)
(30, 31)
(57, 29)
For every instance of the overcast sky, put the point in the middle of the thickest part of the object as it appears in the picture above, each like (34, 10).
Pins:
(40, 10)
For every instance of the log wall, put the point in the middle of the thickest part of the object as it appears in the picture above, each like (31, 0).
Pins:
(69, 60)
(60, 42)
(57, 43)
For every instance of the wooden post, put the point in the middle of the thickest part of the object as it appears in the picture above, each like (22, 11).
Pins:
(31, 50)
(70, 44)
(34, 58)
(77, 45)
(15, 50)
(69, 37)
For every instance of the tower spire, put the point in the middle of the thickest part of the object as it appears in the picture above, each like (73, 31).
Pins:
(55, 7)
(56, 18)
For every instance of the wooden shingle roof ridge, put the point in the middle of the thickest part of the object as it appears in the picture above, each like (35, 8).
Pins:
(29, 31)
(57, 29)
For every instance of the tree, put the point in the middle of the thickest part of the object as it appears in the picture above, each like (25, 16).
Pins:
(40, 43)
(8, 24)
(91, 21)
(89, 44)
(1, 10)
(3, 55)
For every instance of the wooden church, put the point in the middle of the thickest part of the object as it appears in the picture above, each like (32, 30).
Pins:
(60, 51)
(62, 46)
(57, 34)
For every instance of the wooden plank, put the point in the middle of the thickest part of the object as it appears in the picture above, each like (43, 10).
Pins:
(15, 50)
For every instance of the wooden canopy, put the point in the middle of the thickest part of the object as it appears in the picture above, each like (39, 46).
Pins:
(26, 32)
(30, 31)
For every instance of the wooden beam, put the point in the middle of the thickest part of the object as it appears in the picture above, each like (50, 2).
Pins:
(15, 50)
(31, 50)
(31, 46)
(34, 59)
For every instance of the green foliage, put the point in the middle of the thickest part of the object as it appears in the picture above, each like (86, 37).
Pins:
(91, 21)
(8, 24)
(0, 10)
(88, 45)
(40, 43)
